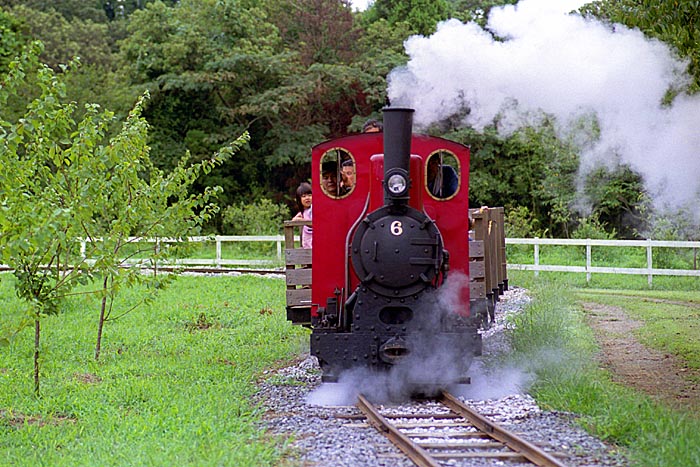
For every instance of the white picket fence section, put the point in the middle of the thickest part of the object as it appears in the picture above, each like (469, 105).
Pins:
(218, 261)
(650, 271)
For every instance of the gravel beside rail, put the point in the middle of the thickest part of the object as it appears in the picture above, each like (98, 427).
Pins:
(306, 413)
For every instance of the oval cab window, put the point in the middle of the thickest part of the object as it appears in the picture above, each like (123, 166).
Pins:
(442, 175)
(337, 173)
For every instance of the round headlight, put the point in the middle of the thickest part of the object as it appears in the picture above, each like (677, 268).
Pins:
(396, 184)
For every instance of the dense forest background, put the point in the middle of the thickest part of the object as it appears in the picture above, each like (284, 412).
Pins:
(296, 72)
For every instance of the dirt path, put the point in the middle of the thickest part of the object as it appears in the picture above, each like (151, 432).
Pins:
(660, 375)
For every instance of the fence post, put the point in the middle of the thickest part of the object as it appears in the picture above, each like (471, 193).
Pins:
(279, 247)
(218, 251)
(588, 261)
(83, 248)
(649, 262)
(537, 257)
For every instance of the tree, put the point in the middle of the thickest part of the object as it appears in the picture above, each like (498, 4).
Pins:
(65, 39)
(618, 199)
(421, 15)
(68, 9)
(282, 70)
(12, 38)
(476, 10)
(674, 22)
(63, 179)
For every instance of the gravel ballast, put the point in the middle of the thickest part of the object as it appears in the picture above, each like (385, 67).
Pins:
(317, 419)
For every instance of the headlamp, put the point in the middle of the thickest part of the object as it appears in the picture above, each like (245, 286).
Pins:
(397, 184)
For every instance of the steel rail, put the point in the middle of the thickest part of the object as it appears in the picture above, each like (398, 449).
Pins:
(529, 451)
(418, 451)
(420, 456)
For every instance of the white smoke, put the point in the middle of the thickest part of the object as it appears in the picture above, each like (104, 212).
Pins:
(548, 60)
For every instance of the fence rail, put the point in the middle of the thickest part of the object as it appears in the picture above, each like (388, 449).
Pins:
(650, 271)
(589, 269)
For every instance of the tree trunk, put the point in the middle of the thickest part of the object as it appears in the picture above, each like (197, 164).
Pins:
(37, 335)
(100, 325)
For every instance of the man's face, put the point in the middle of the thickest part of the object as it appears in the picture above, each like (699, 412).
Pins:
(348, 176)
(329, 181)
(433, 167)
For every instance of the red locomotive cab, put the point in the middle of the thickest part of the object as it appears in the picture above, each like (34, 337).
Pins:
(438, 187)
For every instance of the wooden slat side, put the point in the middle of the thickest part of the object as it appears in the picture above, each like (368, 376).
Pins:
(297, 256)
(476, 249)
(476, 270)
(298, 276)
(298, 297)
(477, 290)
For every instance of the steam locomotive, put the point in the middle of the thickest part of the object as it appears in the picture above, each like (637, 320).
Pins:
(390, 284)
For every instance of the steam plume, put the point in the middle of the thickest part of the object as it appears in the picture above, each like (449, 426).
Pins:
(549, 60)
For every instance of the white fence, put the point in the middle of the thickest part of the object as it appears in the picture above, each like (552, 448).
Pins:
(219, 261)
(536, 266)
(649, 270)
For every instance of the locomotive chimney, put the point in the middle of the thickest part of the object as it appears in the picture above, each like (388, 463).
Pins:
(398, 127)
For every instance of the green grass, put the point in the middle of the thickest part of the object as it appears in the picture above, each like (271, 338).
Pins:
(173, 385)
(608, 281)
(552, 339)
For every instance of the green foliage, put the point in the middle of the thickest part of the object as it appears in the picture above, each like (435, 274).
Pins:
(65, 39)
(421, 15)
(175, 385)
(62, 180)
(674, 22)
(68, 9)
(12, 39)
(569, 378)
(475, 10)
(674, 224)
(591, 227)
(260, 217)
(531, 166)
(520, 223)
(618, 198)
(296, 72)
(547, 328)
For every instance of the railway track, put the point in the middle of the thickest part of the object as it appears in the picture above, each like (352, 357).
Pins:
(432, 439)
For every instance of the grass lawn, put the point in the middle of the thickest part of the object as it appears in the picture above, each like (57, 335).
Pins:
(654, 435)
(173, 385)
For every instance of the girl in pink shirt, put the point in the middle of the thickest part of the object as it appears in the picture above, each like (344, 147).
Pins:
(304, 204)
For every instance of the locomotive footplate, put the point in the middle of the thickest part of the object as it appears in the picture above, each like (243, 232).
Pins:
(442, 356)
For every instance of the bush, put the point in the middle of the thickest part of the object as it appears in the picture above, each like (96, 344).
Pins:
(262, 217)
(591, 227)
(521, 223)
